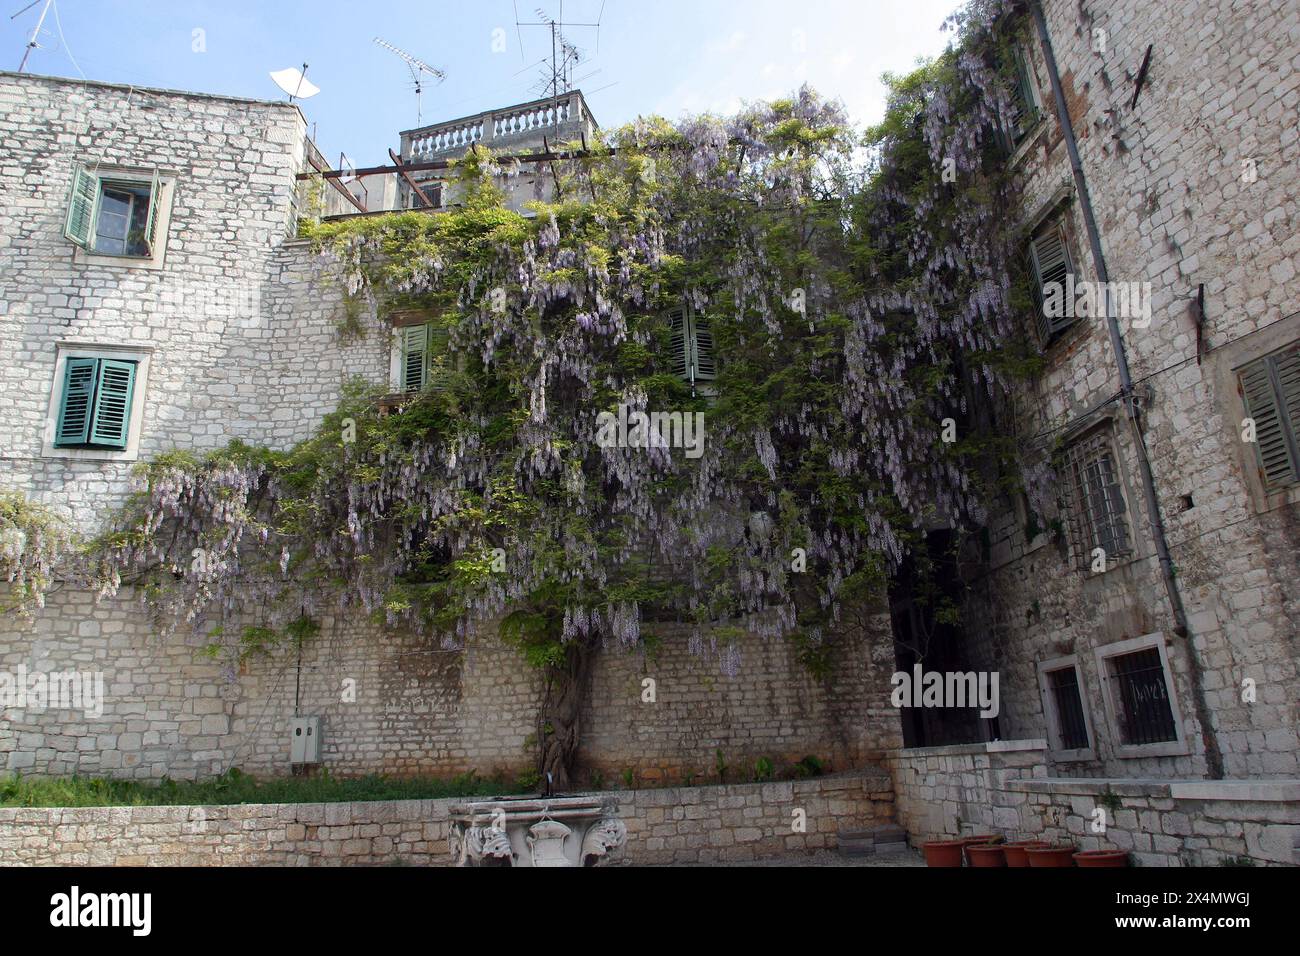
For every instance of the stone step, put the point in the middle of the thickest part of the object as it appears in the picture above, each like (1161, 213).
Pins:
(887, 838)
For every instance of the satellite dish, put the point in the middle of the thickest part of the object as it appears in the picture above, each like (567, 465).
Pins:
(295, 83)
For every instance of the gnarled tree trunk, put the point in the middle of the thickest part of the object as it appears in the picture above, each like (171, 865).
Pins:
(559, 729)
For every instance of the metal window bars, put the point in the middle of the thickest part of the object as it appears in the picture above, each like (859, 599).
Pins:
(1097, 515)
(1073, 729)
(1141, 698)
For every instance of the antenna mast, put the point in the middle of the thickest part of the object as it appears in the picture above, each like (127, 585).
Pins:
(31, 43)
(416, 67)
(564, 55)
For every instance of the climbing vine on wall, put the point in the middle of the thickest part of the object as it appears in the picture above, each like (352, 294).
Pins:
(860, 301)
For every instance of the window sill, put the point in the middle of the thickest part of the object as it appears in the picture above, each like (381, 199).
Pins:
(1073, 756)
(1112, 564)
(93, 454)
(83, 258)
(1167, 748)
(1026, 145)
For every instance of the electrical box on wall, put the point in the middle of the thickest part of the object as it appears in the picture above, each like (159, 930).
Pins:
(304, 744)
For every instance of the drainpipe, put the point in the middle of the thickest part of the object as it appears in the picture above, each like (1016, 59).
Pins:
(1213, 756)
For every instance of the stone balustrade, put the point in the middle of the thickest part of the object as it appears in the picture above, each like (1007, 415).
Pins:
(558, 119)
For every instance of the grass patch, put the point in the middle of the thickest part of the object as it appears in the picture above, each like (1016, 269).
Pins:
(236, 787)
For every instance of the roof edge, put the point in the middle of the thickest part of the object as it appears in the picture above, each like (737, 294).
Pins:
(77, 81)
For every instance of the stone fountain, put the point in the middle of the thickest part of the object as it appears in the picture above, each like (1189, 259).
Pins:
(582, 830)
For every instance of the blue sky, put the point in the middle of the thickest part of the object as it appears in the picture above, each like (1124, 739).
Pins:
(670, 57)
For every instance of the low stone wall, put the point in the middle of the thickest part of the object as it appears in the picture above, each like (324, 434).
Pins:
(1003, 787)
(676, 825)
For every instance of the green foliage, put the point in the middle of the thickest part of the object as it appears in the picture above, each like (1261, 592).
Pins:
(235, 787)
(809, 766)
(33, 538)
(762, 770)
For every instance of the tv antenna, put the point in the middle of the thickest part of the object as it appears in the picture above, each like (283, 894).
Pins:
(417, 68)
(295, 83)
(31, 42)
(557, 76)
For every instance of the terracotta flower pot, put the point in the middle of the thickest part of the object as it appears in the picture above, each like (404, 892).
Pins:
(1051, 855)
(985, 854)
(983, 839)
(942, 852)
(1101, 858)
(1014, 853)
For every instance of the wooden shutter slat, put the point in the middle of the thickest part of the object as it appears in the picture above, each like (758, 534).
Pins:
(79, 376)
(679, 354)
(112, 416)
(82, 200)
(438, 374)
(1024, 102)
(1271, 441)
(415, 342)
(151, 224)
(1050, 258)
(704, 364)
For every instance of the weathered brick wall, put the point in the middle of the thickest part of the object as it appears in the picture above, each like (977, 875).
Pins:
(414, 708)
(688, 825)
(944, 792)
(771, 708)
(1166, 182)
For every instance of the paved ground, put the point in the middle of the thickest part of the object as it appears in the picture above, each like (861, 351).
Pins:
(831, 858)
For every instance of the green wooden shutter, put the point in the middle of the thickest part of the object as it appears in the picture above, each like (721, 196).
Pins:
(437, 373)
(83, 197)
(112, 416)
(415, 351)
(151, 224)
(75, 408)
(1271, 390)
(679, 358)
(1050, 260)
(703, 364)
(1026, 104)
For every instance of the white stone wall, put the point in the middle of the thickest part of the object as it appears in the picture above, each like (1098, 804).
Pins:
(1166, 183)
(1001, 788)
(240, 325)
(687, 825)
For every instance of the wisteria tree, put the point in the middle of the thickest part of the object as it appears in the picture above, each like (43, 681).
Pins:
(861, 296)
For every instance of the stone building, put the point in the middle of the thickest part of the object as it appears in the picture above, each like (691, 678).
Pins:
(1180, 192)
(1155, 142)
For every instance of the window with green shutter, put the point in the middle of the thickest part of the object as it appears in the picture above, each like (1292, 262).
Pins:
(95, 409)
(424, 357)
(114, 214)
(691, 353)
(1050, 264)
(1270, 388)
(1025, 108)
